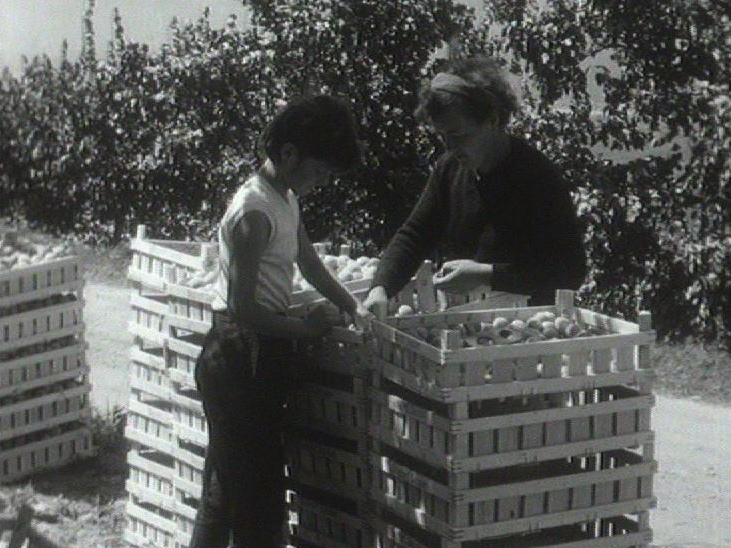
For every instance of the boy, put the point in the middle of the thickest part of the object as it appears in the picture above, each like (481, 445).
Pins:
(241, 373)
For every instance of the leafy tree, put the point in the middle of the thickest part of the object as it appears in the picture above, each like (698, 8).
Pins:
(373, 53)
(631, 101)
(651, 170)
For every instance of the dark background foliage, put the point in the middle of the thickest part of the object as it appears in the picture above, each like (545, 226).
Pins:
(631, 100)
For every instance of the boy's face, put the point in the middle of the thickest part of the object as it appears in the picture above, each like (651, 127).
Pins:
(309, 173)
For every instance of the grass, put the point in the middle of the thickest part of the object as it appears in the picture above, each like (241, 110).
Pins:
(693, 370)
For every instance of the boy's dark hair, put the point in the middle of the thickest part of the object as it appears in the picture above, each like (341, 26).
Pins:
(487, 91)
(320, 126)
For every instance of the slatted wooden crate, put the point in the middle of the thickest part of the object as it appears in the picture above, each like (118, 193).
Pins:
(181, 354)
(452, 373)
(188, 420)
(325, 521)
(149, 424)
(621, 531)
(44, 404)
(514, 430)
(40, 281)
(478, 442)
(185, 512)
(189, 464)
(45, 449)
(336, 465)
(515, 500)
(150, 257)
(151, 478)
(66, 402)
(330, 388)
(149, 525)
(148, 373)
(47, 367)
(41, 325)
(149, 321)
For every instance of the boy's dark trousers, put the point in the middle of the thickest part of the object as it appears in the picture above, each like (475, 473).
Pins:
(242, 502)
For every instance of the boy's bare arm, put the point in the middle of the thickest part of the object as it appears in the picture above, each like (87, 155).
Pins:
(320, 277)
(250, 237)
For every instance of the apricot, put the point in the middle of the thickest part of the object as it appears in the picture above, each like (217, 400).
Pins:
(500, 323)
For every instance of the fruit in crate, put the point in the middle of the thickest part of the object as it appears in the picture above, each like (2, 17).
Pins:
(543, 326)
(343, 267)
(18, 252)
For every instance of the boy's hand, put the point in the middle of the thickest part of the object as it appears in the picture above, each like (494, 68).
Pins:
(377, 302)
(322, 318)
(462, 275)
(362, 317)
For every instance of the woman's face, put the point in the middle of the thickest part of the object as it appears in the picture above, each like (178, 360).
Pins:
(468, 140)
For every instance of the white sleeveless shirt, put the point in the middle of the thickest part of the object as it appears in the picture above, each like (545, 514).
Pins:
(276, 269)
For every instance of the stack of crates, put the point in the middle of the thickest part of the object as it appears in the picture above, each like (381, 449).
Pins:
(512, 445)
(163, 452)
(44, 387)
(327, 440)
(327, 444)
(189, 319)
(166, 423)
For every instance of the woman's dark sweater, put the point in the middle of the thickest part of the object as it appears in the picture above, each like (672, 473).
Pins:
(519, 217)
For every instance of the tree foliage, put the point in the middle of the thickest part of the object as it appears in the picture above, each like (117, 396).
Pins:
(631, 100)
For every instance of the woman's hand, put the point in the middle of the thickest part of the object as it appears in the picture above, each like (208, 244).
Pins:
(462, 275)
(377, 302)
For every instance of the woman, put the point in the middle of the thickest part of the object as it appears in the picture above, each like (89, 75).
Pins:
(494, 208)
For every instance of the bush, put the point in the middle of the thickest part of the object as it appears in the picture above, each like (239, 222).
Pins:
(95, 147)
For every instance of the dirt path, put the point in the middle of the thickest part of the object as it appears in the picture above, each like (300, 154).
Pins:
(106, 313)
(693, 485)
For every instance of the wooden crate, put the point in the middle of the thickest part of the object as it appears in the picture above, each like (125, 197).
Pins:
(510, 431)
(150, 257)
(41, 325)
(327, 522)
(45, 410)
(184, 522)
(451, 373)
(148, 525)
(620, 531)
(148, 374)
(188, 479)
(514, 500)
(335, 465)
(149, 321)
(151, 478)
(39, 281)
(181, 354)
(189, 465)
(329, 410)
(149, 424)
(45, 368)
(568, 420)
(48, 449)
(329, 394)
(188, 420)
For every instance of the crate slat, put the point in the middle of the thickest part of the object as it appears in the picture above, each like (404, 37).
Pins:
(45, 453)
